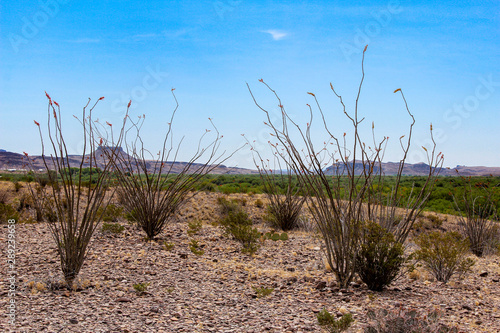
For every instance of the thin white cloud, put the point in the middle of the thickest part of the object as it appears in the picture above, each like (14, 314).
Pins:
(276, 34)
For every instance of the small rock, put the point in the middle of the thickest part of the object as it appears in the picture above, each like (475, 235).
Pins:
(290, 269)
(467, 307)
(154, 309)
(73, 321)
(183, 255)
(320, 285)
(123, 299)
(483, 274)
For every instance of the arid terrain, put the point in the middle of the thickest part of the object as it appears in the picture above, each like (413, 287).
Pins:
(218, 291)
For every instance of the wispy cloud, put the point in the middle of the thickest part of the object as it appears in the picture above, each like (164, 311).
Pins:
(85, 40)
(276, 34)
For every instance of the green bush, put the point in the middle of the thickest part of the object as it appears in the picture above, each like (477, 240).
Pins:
(275, 236)
(114, 228)
(168, 246)
(236, 223)
(239, 226)
(195, 248)
(7, 212)
(443, 254)
(112, 213)
(262, 291)
(405, 320)
(380, 257)
(226, 206)
(141, 288)
(331, 324)
(194, 227)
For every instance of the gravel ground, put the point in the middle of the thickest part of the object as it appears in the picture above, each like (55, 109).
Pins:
(216, 291)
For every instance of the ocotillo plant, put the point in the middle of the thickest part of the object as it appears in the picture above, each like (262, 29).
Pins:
(153, 187)
(282, 190)
(74, 201)
(478, 219)
(342, 197)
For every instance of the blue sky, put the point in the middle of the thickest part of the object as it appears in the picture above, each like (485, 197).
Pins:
(445, 56)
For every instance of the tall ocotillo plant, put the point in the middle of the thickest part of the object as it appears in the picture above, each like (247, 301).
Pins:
(152, 187)
(74, 200)
(341, 196)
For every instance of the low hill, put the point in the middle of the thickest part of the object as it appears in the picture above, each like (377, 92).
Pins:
(15, 161)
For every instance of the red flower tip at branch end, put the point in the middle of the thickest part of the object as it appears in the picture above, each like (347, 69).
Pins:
(48, 96)
(25, 153)
(310, 93)
(281, 106)
(261, 80)
(395, 91)
(172, 89)
(344, 133)
(37, 123)
(100, 142)
(129, 102)
(365, 48)
(308, 105)
(101, 98)
(109, 124)
(431, 127)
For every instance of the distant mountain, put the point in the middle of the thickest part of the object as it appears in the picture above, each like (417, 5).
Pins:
(422, 169)
(9, 161)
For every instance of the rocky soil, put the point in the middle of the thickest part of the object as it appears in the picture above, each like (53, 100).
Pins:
(218, 290)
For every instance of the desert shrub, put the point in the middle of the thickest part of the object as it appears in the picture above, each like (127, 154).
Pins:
(226, 206)
(262, 291)
(194, 227)
(259, 203)
(7, 212)
(380, 257)
(4, 196)
(283, 212)
(443, 254)
(207, 186)
(479, 216)
(331, 324)
(111, 213)
(194, 246)
(114, 228)
(17, 186)
(168, 246)
(141, 288)
(405, 320)
(240, 227)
